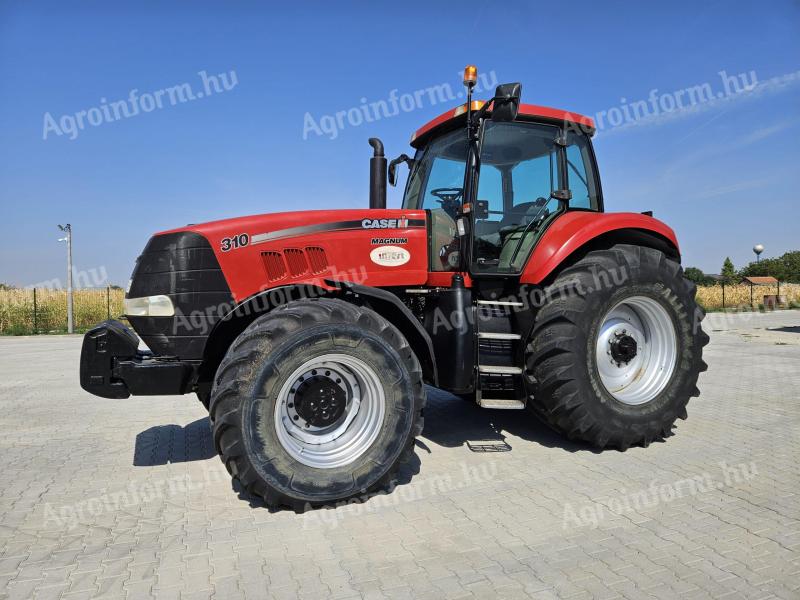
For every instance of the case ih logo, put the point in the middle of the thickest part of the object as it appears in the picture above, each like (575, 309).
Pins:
(384, 223)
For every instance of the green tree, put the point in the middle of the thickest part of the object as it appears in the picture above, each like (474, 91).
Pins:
(791, 262)
(784, 268)
(697, 276)
(728, 272)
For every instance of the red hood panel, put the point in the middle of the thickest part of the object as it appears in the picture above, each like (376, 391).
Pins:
(373, 247)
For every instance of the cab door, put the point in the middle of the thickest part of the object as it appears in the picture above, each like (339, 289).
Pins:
(522, 165)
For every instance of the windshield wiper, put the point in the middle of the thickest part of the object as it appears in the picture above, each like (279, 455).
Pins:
(563, 197)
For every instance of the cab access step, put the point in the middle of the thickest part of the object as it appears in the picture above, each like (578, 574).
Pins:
(498, 378)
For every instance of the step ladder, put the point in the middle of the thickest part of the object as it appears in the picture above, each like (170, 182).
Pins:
(499, 382)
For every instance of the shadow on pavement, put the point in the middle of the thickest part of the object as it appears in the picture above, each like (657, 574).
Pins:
(449, 422)
(452, 422)
(166, 444)
(789, 329)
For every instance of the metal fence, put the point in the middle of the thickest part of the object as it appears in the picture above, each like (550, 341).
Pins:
(39, 310)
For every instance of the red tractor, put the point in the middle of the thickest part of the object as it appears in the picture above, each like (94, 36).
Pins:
(310, 335)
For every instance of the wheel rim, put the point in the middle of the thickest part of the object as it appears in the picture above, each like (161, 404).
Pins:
(329, 411)
(636, 350)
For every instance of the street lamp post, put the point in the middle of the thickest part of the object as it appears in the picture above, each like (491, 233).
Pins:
(68, 238)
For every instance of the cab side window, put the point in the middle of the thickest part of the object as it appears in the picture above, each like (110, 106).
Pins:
(579, 167)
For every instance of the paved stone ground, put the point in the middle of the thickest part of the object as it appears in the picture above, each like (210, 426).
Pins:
(126, 499)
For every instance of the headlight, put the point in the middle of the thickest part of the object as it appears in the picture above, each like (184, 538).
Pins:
(149, 306)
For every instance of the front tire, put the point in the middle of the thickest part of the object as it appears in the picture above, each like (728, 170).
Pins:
(614, 356)
(316, 402)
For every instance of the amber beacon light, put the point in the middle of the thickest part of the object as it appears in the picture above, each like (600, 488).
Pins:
(470, 75)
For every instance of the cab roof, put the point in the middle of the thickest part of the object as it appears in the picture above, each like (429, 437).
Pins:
(527, 112)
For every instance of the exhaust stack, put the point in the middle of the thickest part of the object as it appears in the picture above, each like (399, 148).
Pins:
(377, 175)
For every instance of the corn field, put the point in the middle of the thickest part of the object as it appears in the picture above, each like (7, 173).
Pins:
(29, 311)
(710, 297)
(20, 314)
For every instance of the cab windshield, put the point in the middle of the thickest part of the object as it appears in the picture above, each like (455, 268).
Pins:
(436, 183)
(437, 180)
(521, 166)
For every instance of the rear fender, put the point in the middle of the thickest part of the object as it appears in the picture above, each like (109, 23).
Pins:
(577, 232)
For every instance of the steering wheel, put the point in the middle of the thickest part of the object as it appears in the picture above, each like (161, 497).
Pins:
(447, 194)
(449, 199)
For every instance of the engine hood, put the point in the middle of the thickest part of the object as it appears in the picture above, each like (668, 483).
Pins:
(277, 224)
(381, 247)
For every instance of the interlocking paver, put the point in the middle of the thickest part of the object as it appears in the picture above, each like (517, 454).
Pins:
(125, 499)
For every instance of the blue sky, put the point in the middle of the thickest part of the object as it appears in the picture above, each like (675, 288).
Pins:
(724, 174)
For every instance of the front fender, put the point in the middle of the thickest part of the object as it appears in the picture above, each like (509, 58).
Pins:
(393, 310)
(575, 229)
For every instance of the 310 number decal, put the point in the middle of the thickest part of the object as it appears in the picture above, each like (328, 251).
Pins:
(234, 242)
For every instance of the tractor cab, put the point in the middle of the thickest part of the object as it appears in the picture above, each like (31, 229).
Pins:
(493, 186)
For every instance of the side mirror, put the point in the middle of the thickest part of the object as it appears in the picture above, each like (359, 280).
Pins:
(393, 167)
(505, 105)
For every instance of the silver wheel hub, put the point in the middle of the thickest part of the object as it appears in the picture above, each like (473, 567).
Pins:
(636, 350)
(330, 411)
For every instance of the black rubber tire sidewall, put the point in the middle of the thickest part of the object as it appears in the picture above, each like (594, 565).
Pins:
(565, 390)
(295, 479)
(600, 303)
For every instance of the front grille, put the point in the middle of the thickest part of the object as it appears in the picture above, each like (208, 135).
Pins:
(183, 266)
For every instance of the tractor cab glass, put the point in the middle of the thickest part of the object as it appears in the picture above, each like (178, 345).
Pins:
(520, 170)
(437, 184)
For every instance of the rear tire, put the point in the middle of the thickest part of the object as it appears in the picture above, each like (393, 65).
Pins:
(615, 354)
(316, 402)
